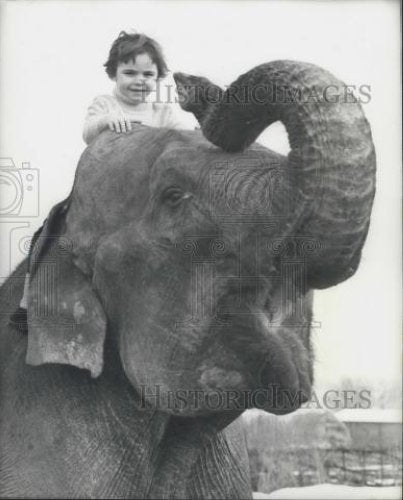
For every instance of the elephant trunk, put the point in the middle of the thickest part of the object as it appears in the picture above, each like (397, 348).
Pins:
(331, 165)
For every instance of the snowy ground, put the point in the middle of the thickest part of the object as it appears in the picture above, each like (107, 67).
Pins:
(333, 492)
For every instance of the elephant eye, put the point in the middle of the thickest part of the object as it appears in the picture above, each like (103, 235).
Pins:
(174, 196)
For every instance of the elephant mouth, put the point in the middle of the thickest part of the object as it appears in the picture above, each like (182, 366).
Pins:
(270, 397)
(245, 366)
(281, 397)
(276, 364)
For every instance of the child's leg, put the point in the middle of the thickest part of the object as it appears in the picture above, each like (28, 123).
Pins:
(19, 318)
(24, 299)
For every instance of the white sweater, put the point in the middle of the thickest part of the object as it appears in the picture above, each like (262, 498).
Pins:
(148, 113)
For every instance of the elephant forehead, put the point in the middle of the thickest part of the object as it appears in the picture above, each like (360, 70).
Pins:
(118, 174)
(110, 147)
(200, 165)
(113, 173)
(181, 164)
(112, 182)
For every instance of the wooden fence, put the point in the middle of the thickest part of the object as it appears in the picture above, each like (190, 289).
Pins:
(305, 466)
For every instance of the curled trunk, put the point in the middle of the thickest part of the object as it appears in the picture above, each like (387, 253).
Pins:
(331, 164)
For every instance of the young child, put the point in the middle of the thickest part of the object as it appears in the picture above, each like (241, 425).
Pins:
(136, 65)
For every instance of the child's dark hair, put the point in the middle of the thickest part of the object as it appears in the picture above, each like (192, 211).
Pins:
(127, 46)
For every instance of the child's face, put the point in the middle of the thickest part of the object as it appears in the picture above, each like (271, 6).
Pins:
(136, 79)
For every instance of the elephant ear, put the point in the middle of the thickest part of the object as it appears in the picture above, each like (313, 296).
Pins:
(66, 322)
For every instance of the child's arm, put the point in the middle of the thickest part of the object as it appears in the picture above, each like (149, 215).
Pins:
(95, 121)
(102, 115)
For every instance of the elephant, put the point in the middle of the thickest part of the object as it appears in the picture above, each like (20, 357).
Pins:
(173, 289)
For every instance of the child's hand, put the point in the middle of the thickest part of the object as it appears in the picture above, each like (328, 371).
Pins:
(118, 122)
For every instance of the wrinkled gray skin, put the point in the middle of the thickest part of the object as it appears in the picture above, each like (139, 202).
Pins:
(178, 266)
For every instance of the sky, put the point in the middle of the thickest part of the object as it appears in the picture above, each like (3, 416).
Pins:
(51, 67)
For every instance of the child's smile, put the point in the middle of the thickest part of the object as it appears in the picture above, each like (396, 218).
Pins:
(135, 80)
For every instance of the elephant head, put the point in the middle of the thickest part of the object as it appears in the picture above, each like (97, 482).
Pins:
(197, 262)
